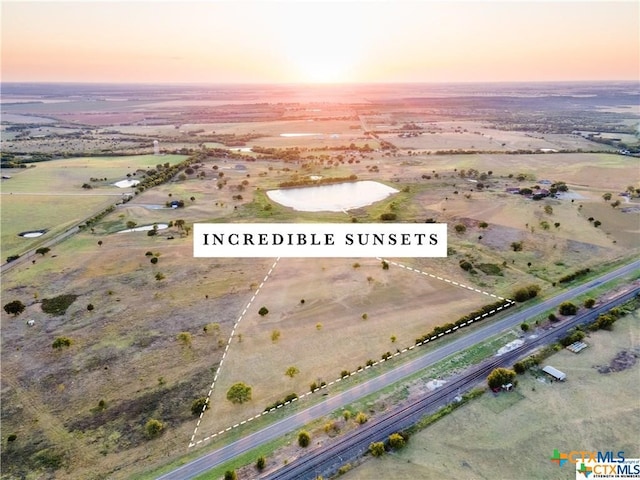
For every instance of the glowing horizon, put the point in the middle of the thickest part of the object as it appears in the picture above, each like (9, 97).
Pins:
(320, 42)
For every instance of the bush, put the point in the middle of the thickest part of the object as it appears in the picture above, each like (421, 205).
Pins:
(61, 342)
(230, 474)
(589, 302)
(263, 311)
(567, 308)
(304, 439)
(153, 428)
(376, 449)
(397, 441)
(388, 217)
(261, 463)
(361, 418)
(57, 305)
(199, 405)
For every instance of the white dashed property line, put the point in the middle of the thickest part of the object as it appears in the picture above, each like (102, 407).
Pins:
(379, 362)
(473, 289)
(215, 377)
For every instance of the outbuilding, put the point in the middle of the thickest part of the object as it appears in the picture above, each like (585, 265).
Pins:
(555, 373)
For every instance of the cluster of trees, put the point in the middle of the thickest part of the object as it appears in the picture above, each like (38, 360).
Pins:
(574, 275)
(96, 218)
(322, 181)
(289, 398)
(476, 315)
(157, 177)
(395, 441)
(523, 294)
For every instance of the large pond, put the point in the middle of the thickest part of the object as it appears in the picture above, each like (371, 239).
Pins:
(338, 197)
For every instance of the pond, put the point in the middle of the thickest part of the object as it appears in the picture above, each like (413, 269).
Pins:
(338, 197)
(127, 183)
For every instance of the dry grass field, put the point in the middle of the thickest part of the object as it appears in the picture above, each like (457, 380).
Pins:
(513, 435)
(319, 316)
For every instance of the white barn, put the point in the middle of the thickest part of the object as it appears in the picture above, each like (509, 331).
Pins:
(555, 373)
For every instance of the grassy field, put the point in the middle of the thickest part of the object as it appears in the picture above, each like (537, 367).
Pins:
(50, 195)
(513, 435)
(327, 333)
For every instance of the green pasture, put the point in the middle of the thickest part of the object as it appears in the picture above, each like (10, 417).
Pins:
(55, 213)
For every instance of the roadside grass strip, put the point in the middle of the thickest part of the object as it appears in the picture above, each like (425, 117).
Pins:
(192, 443)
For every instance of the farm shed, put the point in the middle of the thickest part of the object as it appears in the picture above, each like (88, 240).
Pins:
(555, 373)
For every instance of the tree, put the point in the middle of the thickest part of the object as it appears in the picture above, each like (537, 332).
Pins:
(239, 393)
(516, 246)
(159, 276)
(292, 371)
(397, 441)
(179, 224)
(99, 243)
(230, 475)
(131, 224)
(15, 308)
(548, 209)
(524, 327)
(483, 225)
(43, 250)
(460, 228)
(376, 449)
(567, 308)
(261, 463)
(606, 197)
(199, 405)
(304, 439)
(90, 307)
(153, 260)
(500, 376)
(263, 311)
(153, 428)
(597, 223)
(385, 265)
(589, 302)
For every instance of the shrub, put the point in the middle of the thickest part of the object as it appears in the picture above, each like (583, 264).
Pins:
(460, 228)
(263, 311)
(61, 342)
(90, 307)
(304, 439)
(230, 474)
(388, 217)
(589, 302)
(153, 428)
(261, 463)
(199, 405)
(376, 449)
(361, 418)
(397, 441)
(57, 305)
(567, 308)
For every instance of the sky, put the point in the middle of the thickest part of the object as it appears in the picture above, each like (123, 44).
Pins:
(317, 42)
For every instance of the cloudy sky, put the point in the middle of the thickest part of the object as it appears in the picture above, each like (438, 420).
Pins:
(329, 41)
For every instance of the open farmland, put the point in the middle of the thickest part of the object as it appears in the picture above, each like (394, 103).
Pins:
(49, 195)
(160, 320)
(334, 317)
(517, 430)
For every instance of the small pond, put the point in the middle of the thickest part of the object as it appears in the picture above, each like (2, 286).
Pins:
(338, 197)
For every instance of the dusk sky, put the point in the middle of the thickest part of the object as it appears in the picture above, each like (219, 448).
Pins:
(332, 41)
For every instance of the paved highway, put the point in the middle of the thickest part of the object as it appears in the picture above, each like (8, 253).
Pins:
(339, 400)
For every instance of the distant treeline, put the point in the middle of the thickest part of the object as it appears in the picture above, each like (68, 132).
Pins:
(320, 181)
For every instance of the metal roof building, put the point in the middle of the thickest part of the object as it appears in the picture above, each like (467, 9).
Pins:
(555, 373)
